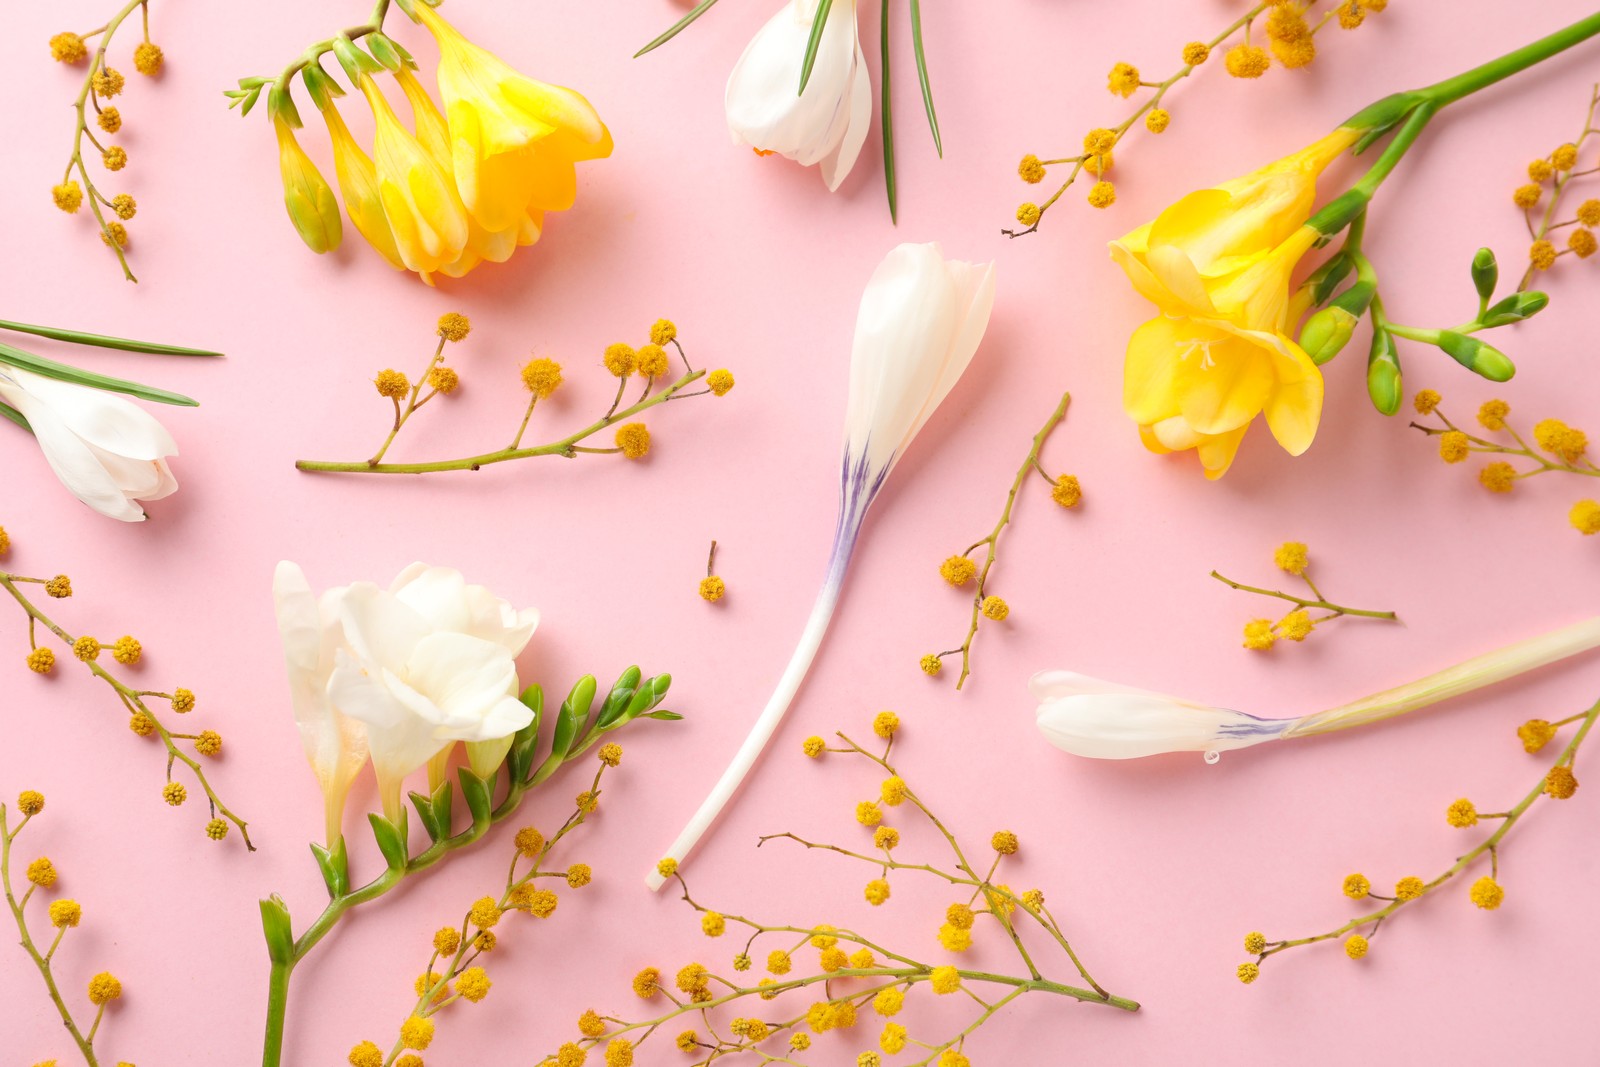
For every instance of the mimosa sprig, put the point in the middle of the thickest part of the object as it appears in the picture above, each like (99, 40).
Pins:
(854, 971)
(1560, 169)
(579, 724)
(1557, 782)
(957, 571)
(1291, 38)
(64, 914)
(541, 377)
(1299, 623)
(102, 82)
(143, 721)
(458, 949)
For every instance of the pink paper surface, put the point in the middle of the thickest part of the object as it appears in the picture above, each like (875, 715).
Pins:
(1157, 868)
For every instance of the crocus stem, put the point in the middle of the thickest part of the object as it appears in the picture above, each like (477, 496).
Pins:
(778, 705)
(1475, 673)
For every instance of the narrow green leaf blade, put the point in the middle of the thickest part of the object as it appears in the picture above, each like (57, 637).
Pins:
(49, 368)
(888, 122)
(121, 344)
(677, 28)
(815, 41)
(9, 412)
(922, 75)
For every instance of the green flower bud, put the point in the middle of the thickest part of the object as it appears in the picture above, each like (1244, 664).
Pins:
(1515, 308)
(1477, 356)
(1326, 333)
(1485, 273)
(1383, 373)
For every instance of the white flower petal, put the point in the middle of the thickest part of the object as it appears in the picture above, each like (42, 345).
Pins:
(380, 629)
(837, 164)
(72, 460)
(467, 679)
(101, 418)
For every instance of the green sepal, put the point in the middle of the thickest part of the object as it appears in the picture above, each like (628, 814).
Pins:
(334, 864)
(574, 714)
(280, 103)
(669, 716)
(526, 743)
(391, 839)
(407, 7)
(323, 89)
(1383, 373)
(1515, 308)
(434, 810)
(354, 61)
(65, 372)
(1485, 275)
(616, 701)
(1326, 278)
(385, 51)
(9, 412)
(1339, 212)
(479, 794)
(1381, 117)
(278, 929)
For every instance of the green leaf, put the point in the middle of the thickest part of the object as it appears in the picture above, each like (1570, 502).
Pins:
(479, 793)
(9, 412)
(677, 27)
(278, 929)
(250, 99)
(334, 864)
(888, 121)
(65, 372)
(922, 75)
(391, 840)
(121, 344)
(812, 43)
(670, 716)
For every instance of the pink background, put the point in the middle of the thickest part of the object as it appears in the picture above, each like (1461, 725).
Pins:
(1158, 868)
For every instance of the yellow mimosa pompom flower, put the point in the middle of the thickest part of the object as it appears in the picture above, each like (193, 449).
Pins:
(418, 196)
(1217, 266)
(306, 193)
(514, 140)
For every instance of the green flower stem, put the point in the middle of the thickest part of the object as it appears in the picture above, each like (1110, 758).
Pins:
(1305, 602)
(314, 54)
(567, 446)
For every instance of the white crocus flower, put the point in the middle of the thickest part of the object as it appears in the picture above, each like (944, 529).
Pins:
(109, 452)
(335, 745)
(920, 322)
(1105, 720)
(419, 686)
(824, 126)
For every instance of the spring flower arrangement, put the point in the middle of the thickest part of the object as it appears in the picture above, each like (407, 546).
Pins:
(802, 88)
(1556, 782)
(450, 189)
(400, 678)
(852, 973)
(101, 83)
(1104, 720)
(192, 750)
(108, 452)
(1557, 448)
(63, 914)
(919, 324)
(650, 365)
(1262, 634)
(959, 570)
(1557, 172)
(1289, 31)
(1227, 343)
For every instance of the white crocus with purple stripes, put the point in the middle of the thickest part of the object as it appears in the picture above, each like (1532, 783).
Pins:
(109, 452)
(826, 125)
(921, 319)
(1105, 720)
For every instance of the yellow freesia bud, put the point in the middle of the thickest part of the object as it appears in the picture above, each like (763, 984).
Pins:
(306, 193)
(358, 183)
(1217, 265)
(419, 198)
(514, 140)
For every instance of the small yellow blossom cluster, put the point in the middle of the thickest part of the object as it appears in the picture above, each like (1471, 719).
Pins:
(454, 971)
(1556, 447)
(1298, 624)
(1288, 29)
(957, 571)
(858, 978)
(101, 83)
(712, 587)
(63, 914)
(541, 377)
(1541, 198)
(1558, 782)
(126, 651)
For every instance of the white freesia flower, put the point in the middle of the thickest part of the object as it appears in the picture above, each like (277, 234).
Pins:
(1105, 720)
(109, 452)
(335, 745)
(920, 322)
(827, 124)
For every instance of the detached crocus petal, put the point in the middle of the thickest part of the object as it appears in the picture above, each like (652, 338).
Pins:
(1108, 721)
(1058, 685)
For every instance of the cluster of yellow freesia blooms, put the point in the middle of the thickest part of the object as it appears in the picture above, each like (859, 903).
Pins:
(451, 189)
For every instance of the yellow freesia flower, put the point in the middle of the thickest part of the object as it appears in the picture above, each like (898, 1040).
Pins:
(358, 183)
(514, 141)
(1217, 265)
(419, 198)
(306, 193)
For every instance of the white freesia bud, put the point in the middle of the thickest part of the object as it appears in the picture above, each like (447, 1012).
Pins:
(920, 322)
(1104, 720)
(827, 124)
(335, 745)
(109, 452)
